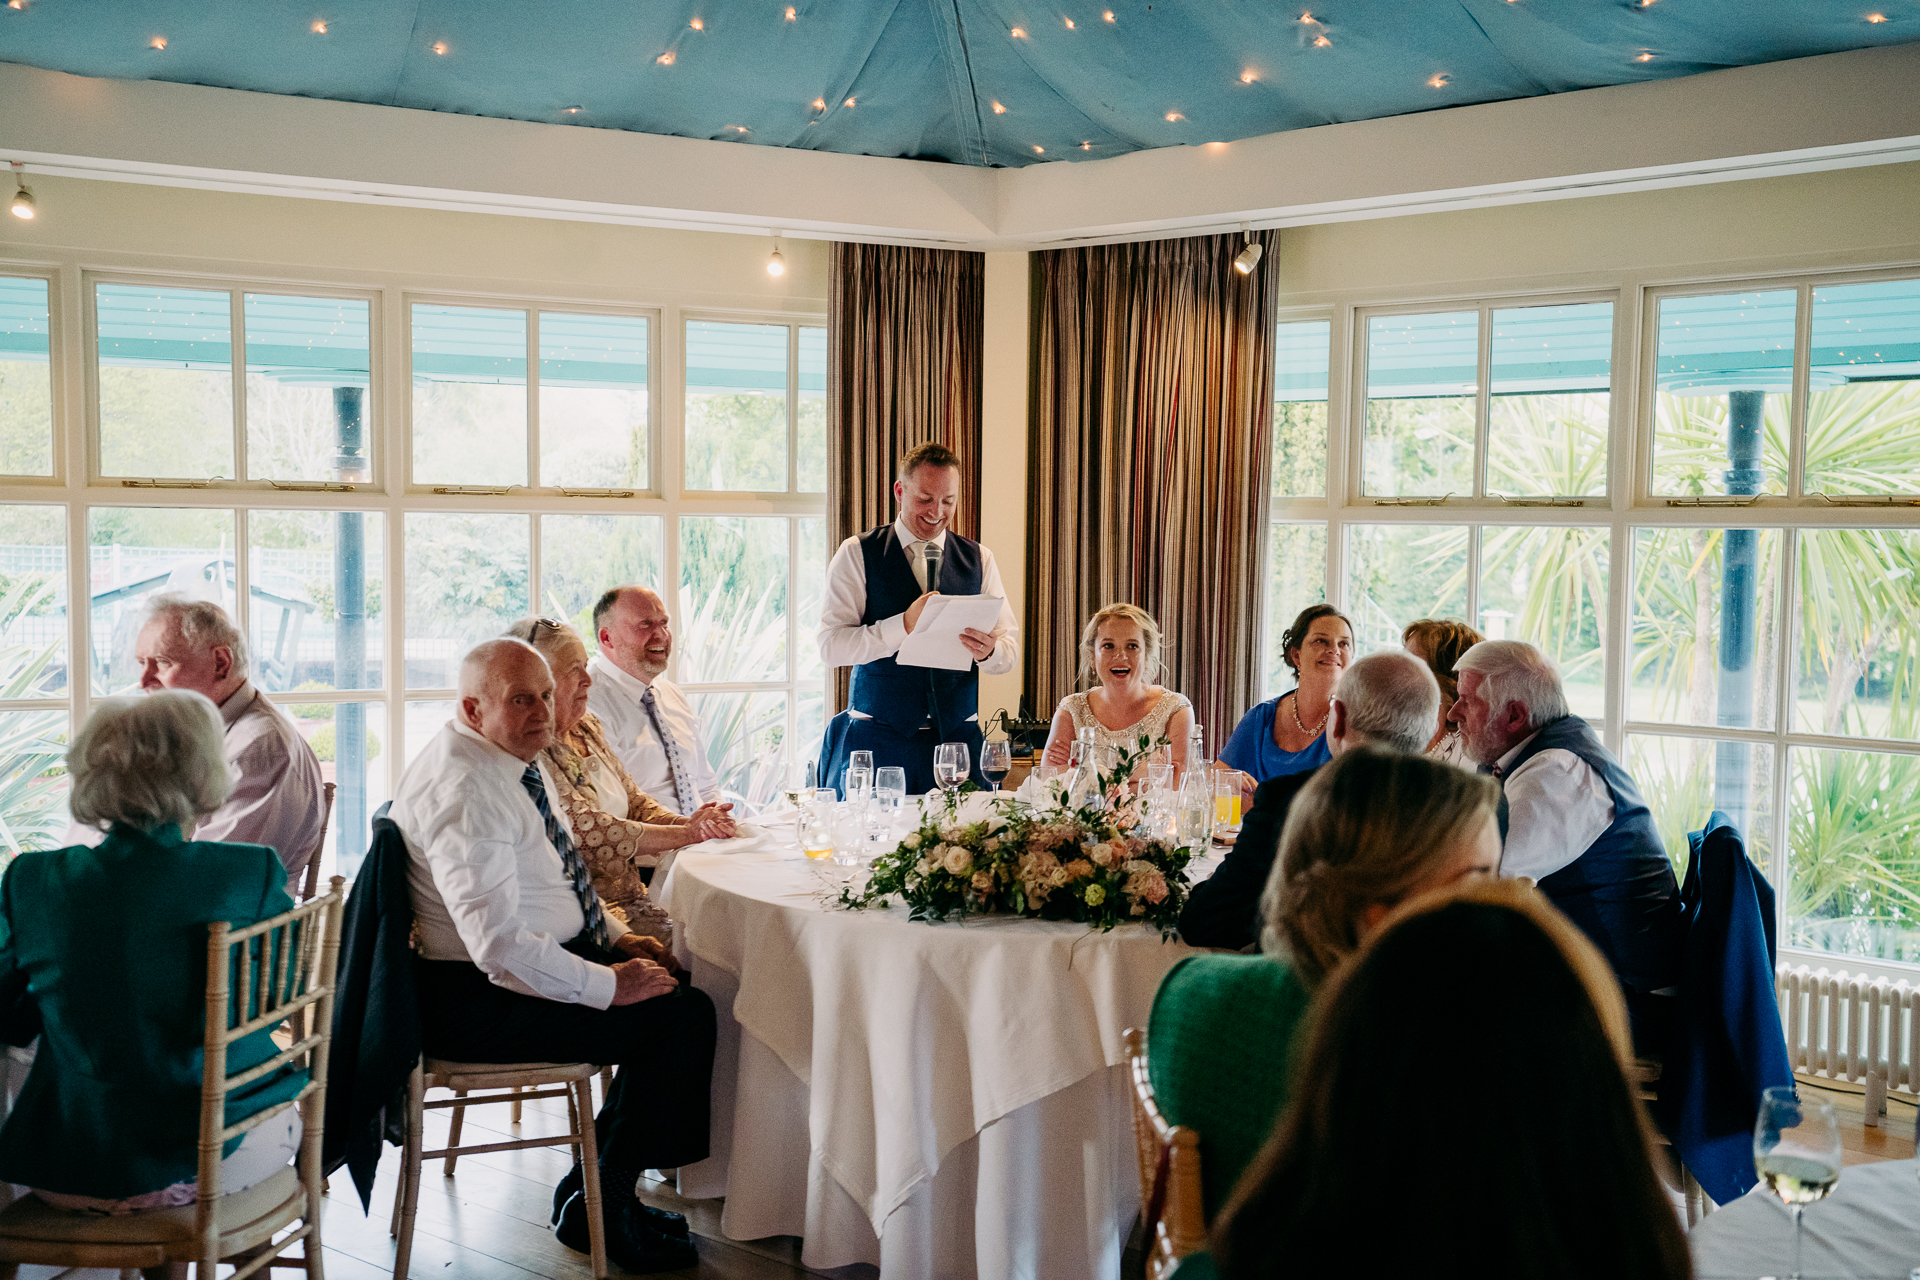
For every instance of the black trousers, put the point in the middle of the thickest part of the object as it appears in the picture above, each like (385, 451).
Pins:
(656, 1114)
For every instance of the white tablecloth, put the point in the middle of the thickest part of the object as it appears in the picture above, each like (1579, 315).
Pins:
(941, 1100)
(1868, 1227)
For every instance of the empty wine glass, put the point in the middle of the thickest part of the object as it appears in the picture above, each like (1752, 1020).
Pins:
(890, 794)
(950, 765)
(996, 759)
(859, 777)
(1796, 1150)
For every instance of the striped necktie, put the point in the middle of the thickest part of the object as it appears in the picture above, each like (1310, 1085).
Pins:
(576, 867)
(685, 798)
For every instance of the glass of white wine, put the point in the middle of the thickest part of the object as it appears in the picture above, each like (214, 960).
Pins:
(1796, 1150)
(798, 791)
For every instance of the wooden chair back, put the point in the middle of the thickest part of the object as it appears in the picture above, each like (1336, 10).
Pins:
(311, 885)
(1171, 1210)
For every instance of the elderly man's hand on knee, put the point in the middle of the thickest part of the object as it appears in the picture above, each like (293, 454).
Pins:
(638, 979)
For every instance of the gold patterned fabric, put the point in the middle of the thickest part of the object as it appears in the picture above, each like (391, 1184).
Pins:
(905, 329)
(1151, 438)
(610, 845)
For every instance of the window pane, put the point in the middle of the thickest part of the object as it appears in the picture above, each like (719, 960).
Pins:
(812, 424)
(316, 586)
(308, 371)
(1685, 779)
(33, 602)
(349, 738)
(1859, 652)
(1422, 376)
(33, 782)
(1300, 409)
(166, 381)
(1724, 373)
(1703, 638)
(1853, 854)
(26, 379)
(1863, 411)
(136, 552)
(810, 722)
(466, 581)
(1397, 573)
(469, 395)
(423, 720)
(593, 402)
(744, 732)
(732, 620)
(736, 406)
(1549, 588)
(810, 593)
(1547, 416)
(1297, 577)
(581, 556)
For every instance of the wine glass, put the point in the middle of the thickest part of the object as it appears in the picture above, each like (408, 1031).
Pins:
(816, 824)
(996, 759)
(1796, 1150)
(950, 765)
(800, 782)
(859, 777)
(890, 794)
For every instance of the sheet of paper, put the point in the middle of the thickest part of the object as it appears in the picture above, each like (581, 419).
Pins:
(935, 640)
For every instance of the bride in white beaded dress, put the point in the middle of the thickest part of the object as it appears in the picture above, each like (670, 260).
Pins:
(1121, 650)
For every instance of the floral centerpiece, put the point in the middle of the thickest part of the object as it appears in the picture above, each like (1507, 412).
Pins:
(1095, 864)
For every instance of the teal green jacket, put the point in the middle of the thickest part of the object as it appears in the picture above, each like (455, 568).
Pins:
(111, 947)
(1219, 1052)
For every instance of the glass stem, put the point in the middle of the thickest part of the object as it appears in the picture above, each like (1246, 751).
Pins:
(1797, 1211)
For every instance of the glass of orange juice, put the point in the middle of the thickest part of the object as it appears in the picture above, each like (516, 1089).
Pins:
(816, 824)
(1226, 798)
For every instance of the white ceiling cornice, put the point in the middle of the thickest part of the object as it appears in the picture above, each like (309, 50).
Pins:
(1833, 111)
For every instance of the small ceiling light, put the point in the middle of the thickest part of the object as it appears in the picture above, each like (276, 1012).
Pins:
(791, 15)
(158, 42)
(1174, 117)
(16, 4)
(1069, 24)
(1247, 77)
(320, 27)
(776, 265)
(1306, 17)
(665, 59)
(22, 197)
(1321, 42)
(440, 47)
(1876, 17)
(572, 111)
(1019, 33)
(849, 102)
(1439, 81)
(1108, 15)
(998, 109)
(698, 25)
(1039, 151)
(1248, 258)
(819, 104)
(1086, 146)
(739, 128)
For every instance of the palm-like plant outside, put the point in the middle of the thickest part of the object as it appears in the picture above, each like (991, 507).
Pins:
(31, 746)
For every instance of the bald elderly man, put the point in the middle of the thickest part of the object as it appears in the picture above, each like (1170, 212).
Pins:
(278, 798)
(520, 961)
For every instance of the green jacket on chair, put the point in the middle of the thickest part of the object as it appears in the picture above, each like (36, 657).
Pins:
(109, 944)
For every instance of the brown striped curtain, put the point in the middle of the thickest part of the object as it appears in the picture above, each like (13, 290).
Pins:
(1151, 430)
(904, 334)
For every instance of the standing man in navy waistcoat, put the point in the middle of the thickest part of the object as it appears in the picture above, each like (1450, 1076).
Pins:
(1572, 818)
(877, 585)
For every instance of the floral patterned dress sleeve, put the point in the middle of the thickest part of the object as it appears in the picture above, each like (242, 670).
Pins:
(611, 846)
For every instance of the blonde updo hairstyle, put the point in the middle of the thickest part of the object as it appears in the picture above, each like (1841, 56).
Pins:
(1367, 829)
(1149, 639)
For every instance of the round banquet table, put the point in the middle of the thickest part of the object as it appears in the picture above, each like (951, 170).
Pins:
(1868, 1228)
(936, 1099)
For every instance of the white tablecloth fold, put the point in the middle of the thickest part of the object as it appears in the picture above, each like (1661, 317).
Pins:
(1869, 1227)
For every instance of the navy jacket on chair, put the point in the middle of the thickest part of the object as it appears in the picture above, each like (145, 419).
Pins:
(1727, 1042)
(376, 1014)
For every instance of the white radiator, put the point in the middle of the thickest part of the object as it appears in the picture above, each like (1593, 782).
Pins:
(1846, 1026)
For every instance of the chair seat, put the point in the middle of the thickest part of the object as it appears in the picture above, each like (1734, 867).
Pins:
(443, 1074)
(249, 1215)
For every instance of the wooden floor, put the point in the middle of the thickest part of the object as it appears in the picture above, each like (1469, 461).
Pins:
(489, 1221)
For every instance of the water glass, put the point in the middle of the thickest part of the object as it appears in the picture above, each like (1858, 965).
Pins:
(849, 833)
(815, 824)
(890, 794)
(950, 765)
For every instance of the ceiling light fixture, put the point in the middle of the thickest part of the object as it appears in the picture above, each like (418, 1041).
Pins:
(572, 111)
(158, 42)
(440, 47)
(819, 104)
(1876, 17)
(1248, 258)
(22, 205)
(998, 109)
(1039, 151)
(776, 265)
(1019, 33)
(849, 101)
(1439, 81)
(1643, 57)
(665, 59)
(16, 4)
(1174, 117)
(1321, 42)
(1247, 77)
(1086, 146)
(791, 15)
(320, 26)
(698, 25)
(1108, 15)
(1069, 24)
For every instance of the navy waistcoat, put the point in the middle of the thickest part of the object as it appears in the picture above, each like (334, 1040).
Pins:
(1621, 891)
(904, 698)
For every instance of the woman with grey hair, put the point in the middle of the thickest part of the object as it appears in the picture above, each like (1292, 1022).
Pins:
(108, 1120)
(620, 830)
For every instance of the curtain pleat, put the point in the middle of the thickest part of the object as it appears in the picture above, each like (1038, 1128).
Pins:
(1151, 446)
(904, 336)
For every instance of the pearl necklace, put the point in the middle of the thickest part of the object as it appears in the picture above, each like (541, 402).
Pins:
(1301, 724)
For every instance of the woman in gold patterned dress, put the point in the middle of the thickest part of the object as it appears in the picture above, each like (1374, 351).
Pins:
(620, 830)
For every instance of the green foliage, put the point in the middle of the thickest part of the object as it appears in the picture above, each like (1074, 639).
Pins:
(1548, 444)
(737, 440)
(165, 422)
(26, 418)
(1299, 448)
(322, 743)
(32, 743)
(1419, 446)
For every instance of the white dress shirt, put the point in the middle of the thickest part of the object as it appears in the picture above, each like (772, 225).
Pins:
(277, 789)
(845, 642)
(615, 698)
(1557, 806)
(488, 886)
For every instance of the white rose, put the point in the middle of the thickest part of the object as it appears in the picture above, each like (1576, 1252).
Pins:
(958, 861)
(912, 841)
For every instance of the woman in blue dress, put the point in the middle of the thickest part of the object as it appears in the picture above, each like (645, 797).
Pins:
(1288, 734)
